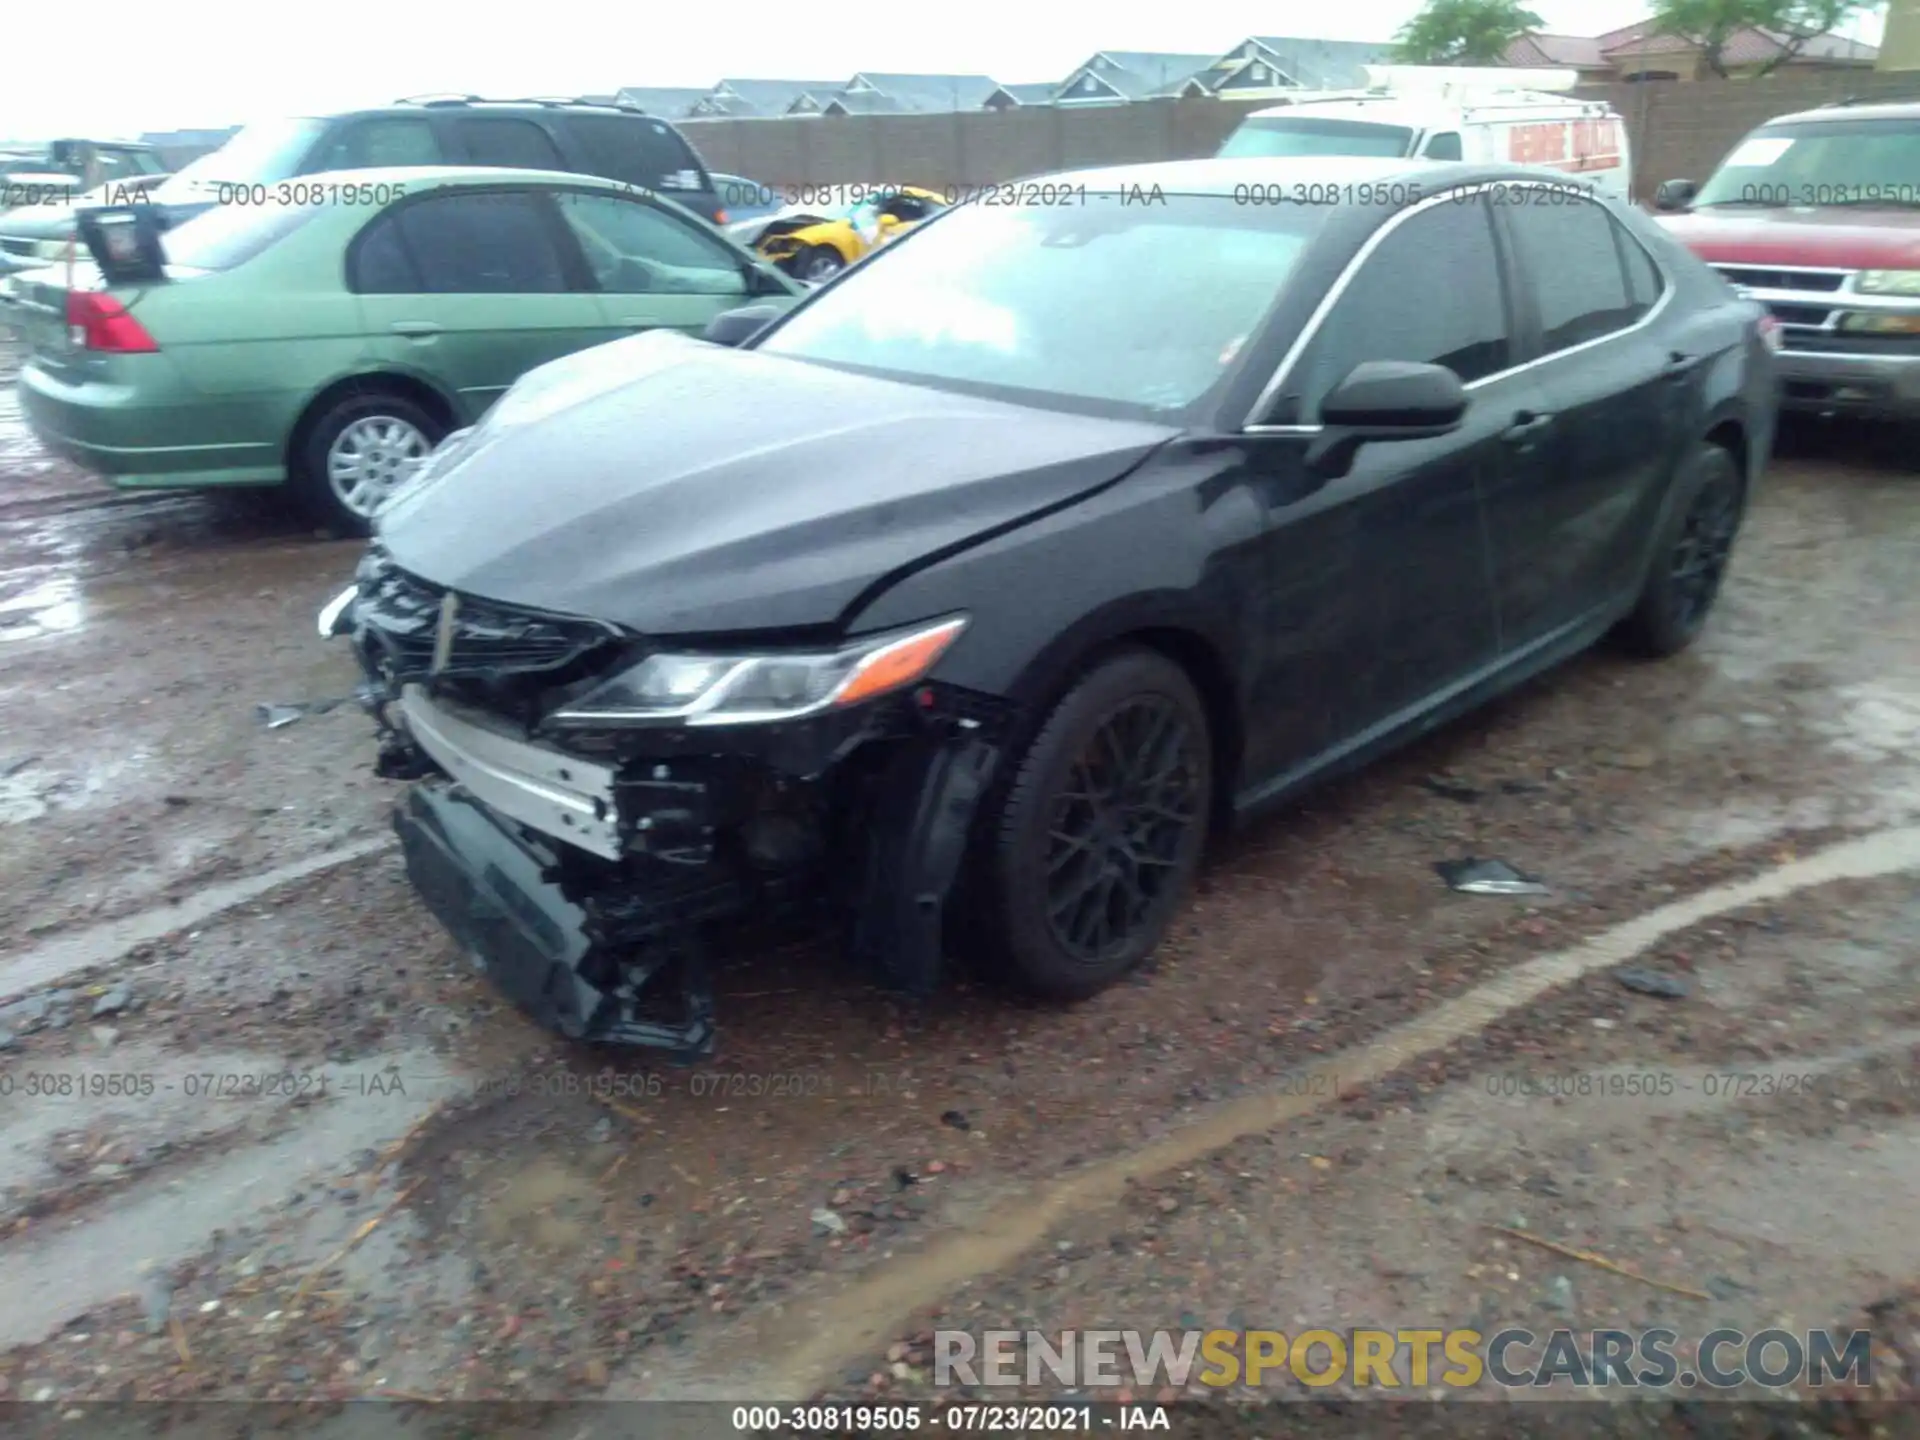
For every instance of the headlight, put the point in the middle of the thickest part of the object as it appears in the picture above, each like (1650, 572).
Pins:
(1888, 282)
(744, 689)
(52, 249)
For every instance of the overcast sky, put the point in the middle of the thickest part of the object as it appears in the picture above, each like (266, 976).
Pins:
(123, 68)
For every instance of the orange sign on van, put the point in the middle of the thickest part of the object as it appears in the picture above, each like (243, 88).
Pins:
(1566, 144)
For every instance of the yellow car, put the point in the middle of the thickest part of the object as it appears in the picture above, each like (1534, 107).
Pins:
(815, 243)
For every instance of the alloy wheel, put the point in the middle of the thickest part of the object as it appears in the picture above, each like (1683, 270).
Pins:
(373, 457)
(1117, 828)
(1700, 557)
(822, 266)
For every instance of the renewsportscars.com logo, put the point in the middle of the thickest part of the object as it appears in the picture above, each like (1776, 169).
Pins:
(1414, 1359)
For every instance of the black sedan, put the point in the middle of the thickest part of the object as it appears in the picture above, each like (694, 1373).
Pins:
(963, 601)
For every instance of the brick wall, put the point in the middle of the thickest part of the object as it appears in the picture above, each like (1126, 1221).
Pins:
(1677, 128)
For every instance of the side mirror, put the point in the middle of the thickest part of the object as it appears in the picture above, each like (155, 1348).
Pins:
(1385, 400)
(1674, 194)
(733, 327)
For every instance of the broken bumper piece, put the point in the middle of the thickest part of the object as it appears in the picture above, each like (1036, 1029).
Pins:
(590, 892)
(572, 964)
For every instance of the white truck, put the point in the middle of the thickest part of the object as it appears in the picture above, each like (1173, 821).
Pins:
(1443, 112)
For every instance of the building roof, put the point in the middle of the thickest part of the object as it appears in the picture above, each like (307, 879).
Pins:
(1643, 40)
(1323, 64)
(736, 99)
(669, 101)
(1570, 52)
(862, 102)
(934, 93)
(1136, 74)
(1038, 93)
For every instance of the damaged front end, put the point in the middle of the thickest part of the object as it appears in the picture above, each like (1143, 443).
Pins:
(589, 811)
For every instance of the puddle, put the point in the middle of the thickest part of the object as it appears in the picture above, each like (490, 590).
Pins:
(805, 1346)
(52, 607)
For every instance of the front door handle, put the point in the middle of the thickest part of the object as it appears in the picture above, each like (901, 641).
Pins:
(1527, 427)
(414, 327)
(1680, 365)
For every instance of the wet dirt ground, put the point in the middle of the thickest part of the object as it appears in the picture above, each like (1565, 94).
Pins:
(263, 1133)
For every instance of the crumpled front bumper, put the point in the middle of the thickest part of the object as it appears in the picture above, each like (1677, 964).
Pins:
(590, 890)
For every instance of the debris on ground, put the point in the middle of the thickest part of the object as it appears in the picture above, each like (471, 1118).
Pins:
(1451, 789)
(275, 717)
(1473, 876)
(829, 1222)
(1652, 982)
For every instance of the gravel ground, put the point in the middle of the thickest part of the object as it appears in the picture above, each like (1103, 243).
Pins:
(278, 1142)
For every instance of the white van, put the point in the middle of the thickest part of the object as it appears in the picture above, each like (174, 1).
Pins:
(1442, 112)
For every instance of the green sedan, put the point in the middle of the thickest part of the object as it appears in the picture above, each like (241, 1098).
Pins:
(330, 336)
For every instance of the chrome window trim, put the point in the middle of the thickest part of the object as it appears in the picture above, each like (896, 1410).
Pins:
(1311, 330)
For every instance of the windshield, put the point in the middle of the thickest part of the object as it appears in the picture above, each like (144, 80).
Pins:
(1137, 307)
(262, 153)
(1262, 136)
(227, 235)
(1825, 162)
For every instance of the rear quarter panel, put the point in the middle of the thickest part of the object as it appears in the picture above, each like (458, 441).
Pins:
(255, 340)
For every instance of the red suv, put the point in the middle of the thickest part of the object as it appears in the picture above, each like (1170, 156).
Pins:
(1817, 216)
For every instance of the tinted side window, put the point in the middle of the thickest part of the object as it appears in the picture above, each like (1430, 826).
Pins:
(487, 244)
(381, 263)
(1644, 280)
(1443, 147)
(400, 140)
(520, 144)
(636, 249)
(1430, 293)
(1573, 263)
(635, 149)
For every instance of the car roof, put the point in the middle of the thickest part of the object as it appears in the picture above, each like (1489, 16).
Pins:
(1890, 110)
(438, 175)
(1221, 176)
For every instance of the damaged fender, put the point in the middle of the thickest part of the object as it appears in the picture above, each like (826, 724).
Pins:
(928, 797)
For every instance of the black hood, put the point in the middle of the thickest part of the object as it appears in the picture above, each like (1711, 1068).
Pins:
(672, 486)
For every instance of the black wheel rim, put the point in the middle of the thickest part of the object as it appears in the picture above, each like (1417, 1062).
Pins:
(1706, 540)
(1118, 829)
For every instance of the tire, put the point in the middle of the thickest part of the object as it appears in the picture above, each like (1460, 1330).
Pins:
(1689, 558)
(818, 264)
(1036, 936)
(386, 430)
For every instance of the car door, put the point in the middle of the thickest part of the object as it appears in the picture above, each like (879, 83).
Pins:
(654, 270)
(1566, 534)
(1397, 608)
(472, 288)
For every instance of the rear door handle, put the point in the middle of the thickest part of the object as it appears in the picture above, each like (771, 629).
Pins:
(414, 327)
(1526, 428)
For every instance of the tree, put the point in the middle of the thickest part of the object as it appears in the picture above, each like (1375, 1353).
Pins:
(1463, 32)
(1712, 24)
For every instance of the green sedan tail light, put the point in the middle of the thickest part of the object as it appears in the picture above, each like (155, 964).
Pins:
(101, 323)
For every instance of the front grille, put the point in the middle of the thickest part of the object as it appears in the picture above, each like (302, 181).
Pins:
(1758, 278)
(400, 614)
(18, 247)
(1809, 316)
